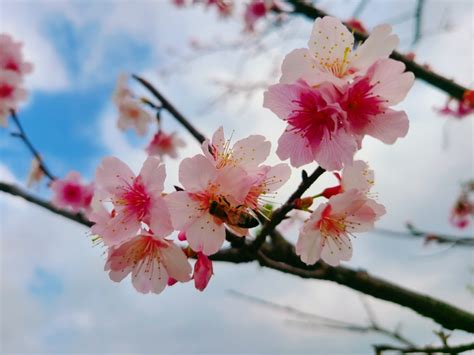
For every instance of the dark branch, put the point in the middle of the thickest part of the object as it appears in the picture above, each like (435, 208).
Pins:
(22, 135)
(447, 85)
(171, 109)
(280, 256)
(426, 350)
(280, 214)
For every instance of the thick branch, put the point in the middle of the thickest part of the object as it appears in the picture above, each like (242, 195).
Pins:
(447, 85)
(283, 258)
(171, 109)
(427, 350)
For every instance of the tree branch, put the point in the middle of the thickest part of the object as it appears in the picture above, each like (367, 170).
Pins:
(171, 109)
(427, 350)
(447, 85)
(281, 257)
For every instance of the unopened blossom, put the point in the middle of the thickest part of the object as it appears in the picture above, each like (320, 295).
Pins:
(36, 173)
(356, 25)
(11, 93)
(165, 144)
(203, 271)
(210, 201)
(317, 129)
(326, 234)
(331, 56)
(151, 260)
(134, 200)
(72, 193)
(11, 56)
(462, 212)
(368, 99)
(354, 176)
(458, 109)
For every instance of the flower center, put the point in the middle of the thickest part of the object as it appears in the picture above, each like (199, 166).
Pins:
(72, 193)
(361, 104)
(6, 90)
(338, 67)
(329, 225)
(312, 117)
(136, 199)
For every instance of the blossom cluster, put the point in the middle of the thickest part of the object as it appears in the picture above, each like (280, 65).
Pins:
(331, 95)
(222, 188)
(12, 70)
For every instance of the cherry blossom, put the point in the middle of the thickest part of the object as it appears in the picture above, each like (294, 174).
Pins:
(356, 25)
(317, 129)
(72, 193)
(203, 271)
(330, 55)
(211, 199)
(367, 101)
(165, 144)
(10, 94)
(11, 56)
(151, 260)
(134, 199)
(326, 234)
(248, 153)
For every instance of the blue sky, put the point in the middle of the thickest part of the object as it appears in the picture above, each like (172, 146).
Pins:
(55, 295)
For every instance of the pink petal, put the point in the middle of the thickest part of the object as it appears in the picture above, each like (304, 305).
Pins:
(183, 209)
(379, 45)
(336, 249)
(176, 263)
(113, 173)
(295, 147)
(251, 151)
(388, 127)
(153, 174)
(160, 220)
(205, 235)
(335, 150)
(195, 173)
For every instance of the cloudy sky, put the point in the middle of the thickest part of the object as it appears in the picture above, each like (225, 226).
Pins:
(55, 296)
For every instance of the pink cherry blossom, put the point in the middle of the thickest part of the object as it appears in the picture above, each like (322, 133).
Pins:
(11, 56)
(151, 260)
(367, 101)
(462, 212)
(202, 271)
(224, 7)
(134, 199)
(326, 234)
(330, 55)
(205, 186)
(247, 153)
(165, 144)
(10, 94)
(72, 193)
(317, 129)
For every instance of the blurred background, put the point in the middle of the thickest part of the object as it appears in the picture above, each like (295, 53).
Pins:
(55, 296)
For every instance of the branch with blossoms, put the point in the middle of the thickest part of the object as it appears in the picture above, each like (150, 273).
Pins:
(223, 191)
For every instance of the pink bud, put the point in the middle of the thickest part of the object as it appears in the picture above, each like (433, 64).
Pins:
(202, 271)
(171, 281)
(182, 236)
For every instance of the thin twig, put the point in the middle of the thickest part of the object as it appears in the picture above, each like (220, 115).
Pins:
(22, 135)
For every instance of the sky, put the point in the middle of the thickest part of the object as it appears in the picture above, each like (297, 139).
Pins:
(55, 296)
